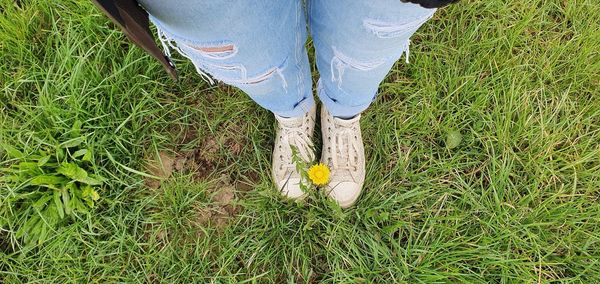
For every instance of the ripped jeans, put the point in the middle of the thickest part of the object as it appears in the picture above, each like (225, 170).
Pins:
(259, 46)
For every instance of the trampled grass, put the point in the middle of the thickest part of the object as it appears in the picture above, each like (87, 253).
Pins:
(514, 200)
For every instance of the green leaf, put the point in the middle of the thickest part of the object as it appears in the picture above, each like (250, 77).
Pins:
(10, 178)
(42, 161)
(80, 152)
(69, 170)
(110, 157)
(453, 139)
(383, 216)
(73, 171)
(72, 142)
(41, 203)
(98, 178)
(43, 232)
(76, 204)
(88, 156)
(393, 228)
(29, 226)
(47, 180)
(76, 129)
(59, 204)
(66, 198)
(12, 152)
(90, 195)
(60, 153)
(27, 166)
(91, 181)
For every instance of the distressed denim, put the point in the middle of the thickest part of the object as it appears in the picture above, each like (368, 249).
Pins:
(259, 46)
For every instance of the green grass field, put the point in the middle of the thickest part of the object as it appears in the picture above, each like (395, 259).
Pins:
(516, 200)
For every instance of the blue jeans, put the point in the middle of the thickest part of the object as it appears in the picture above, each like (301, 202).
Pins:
(259, 46)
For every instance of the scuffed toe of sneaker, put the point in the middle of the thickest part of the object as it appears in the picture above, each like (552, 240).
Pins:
(345, 193)
(291, 189)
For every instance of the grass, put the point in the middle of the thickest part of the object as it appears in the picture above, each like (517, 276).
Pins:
(516, 201)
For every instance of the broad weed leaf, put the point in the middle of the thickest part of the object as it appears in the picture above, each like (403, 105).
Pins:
(98, 179)
(76, 129)
(89, 195)
(72, 142)
(453, 139)
(73, 171)
(27, 166)
(88, 156)
(41, 203)
(12, 152)
(80, 152)
(47, 180)
(58, 203)
(43, 160)
(66, 199)
(90, 181)
(76, 204)
(28, 226)
(60, 153)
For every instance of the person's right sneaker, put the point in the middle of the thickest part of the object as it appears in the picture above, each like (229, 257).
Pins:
(293, 132)
(344, 153)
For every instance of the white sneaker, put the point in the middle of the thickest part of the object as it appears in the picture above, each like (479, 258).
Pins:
(344, 153)
(298, 132)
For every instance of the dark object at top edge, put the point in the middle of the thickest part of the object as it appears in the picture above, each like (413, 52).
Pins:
(431, 3)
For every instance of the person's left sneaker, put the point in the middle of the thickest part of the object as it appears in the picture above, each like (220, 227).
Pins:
(344, 153)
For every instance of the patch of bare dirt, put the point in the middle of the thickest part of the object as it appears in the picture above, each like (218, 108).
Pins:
(201, 162)
(223, 207)
(211, 152)
(160, 166)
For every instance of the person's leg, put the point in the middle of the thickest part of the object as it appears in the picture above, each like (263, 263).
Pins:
(357, 42)
(257, 46)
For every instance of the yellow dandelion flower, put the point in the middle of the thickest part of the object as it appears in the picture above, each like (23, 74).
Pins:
(319, 174)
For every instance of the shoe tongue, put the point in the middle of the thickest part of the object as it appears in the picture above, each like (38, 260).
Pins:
(292, 124)
(290, 121)
(347, 122)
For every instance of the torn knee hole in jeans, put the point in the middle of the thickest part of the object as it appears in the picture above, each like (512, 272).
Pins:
(216, 52)
(227, 73)
(270, 73)
(261, 78)
(387, 29)
(340, 62)
(273, 71)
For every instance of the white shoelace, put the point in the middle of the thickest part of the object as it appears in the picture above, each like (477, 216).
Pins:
(295, 136)
(344, 149)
